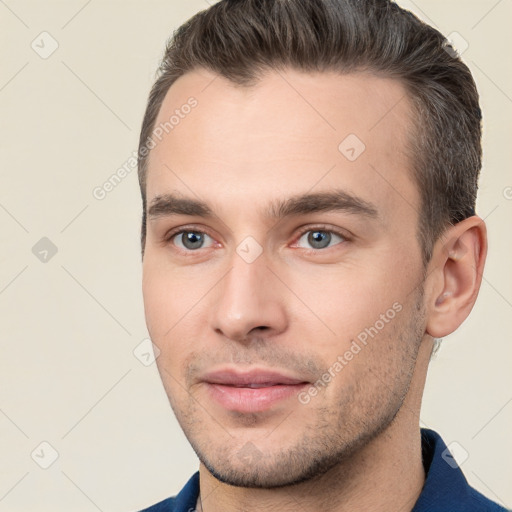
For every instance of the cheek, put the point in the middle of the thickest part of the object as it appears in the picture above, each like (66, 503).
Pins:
(375, 366)
(165, 310)
(340, 303)
(158, 301)
(173, 303)
(169, 297)
(356, 316)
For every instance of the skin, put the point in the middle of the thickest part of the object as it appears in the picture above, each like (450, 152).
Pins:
(356, 444)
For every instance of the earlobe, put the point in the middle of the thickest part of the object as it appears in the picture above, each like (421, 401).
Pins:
(456, 275)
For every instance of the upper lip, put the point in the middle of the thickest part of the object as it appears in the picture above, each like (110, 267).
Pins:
(231, 377)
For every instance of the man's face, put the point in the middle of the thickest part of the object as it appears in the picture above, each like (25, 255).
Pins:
(281, 280)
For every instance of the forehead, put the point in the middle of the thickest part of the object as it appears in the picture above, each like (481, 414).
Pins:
(292, 131)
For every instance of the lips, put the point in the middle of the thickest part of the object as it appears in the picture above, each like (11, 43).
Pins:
(253, 378)
(251, 391)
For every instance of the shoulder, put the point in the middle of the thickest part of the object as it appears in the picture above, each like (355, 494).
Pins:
(185, 501)
(167, 505)
(478, 501)
(446, 487)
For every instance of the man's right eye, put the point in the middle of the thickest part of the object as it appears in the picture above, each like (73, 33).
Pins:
(191, 240)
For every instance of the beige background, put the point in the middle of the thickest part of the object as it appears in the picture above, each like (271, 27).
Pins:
(69, 326)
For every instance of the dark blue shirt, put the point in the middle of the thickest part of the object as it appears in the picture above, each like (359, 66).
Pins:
(445, 489)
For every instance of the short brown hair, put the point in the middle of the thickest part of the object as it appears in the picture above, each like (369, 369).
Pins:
(241, 39)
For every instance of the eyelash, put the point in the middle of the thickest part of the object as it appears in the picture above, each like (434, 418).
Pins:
(325, 229)
(187, 229)
(168, 239)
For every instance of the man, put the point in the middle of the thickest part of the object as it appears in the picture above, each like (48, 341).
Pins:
(308, 172)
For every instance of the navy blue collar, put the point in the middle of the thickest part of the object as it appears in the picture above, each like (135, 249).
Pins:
(446, 487)
(445, 490)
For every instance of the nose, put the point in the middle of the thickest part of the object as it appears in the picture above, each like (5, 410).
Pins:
(248, 302)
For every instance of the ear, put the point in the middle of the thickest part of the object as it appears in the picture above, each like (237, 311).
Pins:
(455, 275)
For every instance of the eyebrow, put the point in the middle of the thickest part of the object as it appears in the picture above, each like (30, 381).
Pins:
(304, 204)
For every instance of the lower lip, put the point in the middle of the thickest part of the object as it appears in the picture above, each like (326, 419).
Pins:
(252, 399)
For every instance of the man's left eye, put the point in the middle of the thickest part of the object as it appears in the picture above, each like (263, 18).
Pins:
(319, 239)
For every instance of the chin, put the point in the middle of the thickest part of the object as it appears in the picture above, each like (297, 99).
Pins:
(252, 469)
